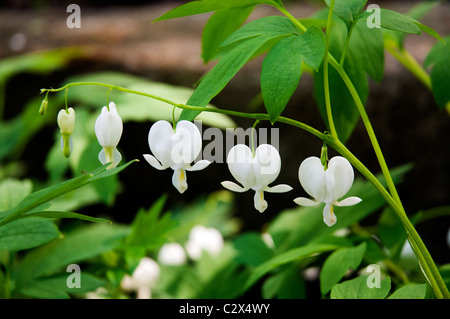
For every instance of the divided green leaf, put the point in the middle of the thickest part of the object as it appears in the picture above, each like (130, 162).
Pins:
(27, 233)
(338, 263)
(281, 69)
(358, 288)
(198, 7)
(219, 27)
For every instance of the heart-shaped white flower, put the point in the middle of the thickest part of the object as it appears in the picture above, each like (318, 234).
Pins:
(176, 149)
(108, 129)
(326, 186)
(255, 172)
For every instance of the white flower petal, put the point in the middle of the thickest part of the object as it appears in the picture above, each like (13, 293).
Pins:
(172, 254)
(201, 239)
(179, 180)
(186, 142)
(339, 177)
(66, 120)
(312, 178)
(102, 157)
(199, 165)
(153, 162)
(159, 140)
(302, 201)
(282, 188)
(240, 164)
(266, 164)
(109, 127)
(329, 217)
(260, 204)
(234, 187)
(350, 201)
(147, 272)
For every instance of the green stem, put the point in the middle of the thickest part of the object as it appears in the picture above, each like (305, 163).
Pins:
(347, 41)
(428, 266)
(408, 61)
(326, 83)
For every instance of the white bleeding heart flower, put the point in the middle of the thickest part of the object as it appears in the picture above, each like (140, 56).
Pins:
(255, 171)
(175, 148)
(144, 277)
(66, 122)
(202, 239)
(172, 254)
(326, 186)
(108, 129)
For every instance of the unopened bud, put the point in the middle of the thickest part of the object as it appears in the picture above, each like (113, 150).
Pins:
(43, 108)
(66, 120)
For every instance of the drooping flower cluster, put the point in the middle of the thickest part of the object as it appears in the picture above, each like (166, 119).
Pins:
(177, 147)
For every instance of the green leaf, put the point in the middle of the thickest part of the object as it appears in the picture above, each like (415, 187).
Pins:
(347, 10)
(281, 69)
(439, 59)
(56, 214)
(198, 7)
(417, 12)
(357, 288)
(338, 263)
(288, 284)
(148, 228)
(74, 247)
(295, 254)
(222, 73)
(367, 48)
(391, 232)
(410, 291)
(56, 287)
(12, 191)
(219, 27)
(38, 62)
(430, 31)
(271, 26)
(395, 21)
(45, 195)
(251, 249)
(27, 233)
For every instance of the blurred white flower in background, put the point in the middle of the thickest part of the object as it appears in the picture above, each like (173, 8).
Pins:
(172, 254)
(206, 239)
(144, 277)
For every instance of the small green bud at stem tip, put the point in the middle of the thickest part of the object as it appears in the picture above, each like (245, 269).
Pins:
(43, 108)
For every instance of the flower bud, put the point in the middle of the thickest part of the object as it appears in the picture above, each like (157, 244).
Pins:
(44, 104)
(66, 121)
